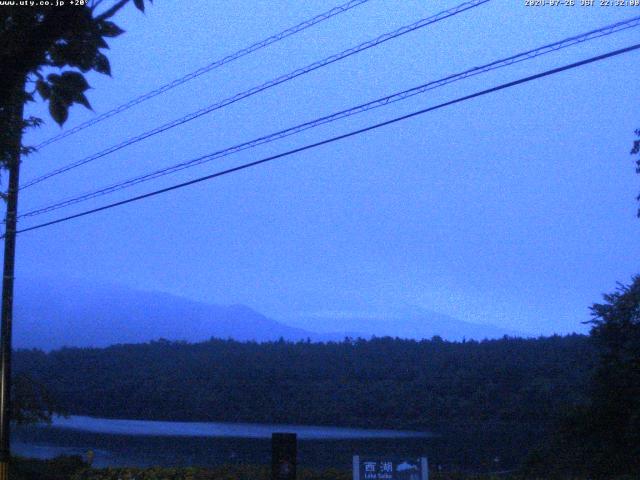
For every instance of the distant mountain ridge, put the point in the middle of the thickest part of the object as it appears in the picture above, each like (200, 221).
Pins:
(50, 314)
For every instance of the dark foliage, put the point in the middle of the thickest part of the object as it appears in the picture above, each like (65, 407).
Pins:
(60, 468)
(615, 388)
(635, 151)
(384, 382)
(31, 402)
(36, 39)
(504, 392)
(601, 437)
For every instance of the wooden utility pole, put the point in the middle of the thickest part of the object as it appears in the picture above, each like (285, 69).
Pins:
(14, 110)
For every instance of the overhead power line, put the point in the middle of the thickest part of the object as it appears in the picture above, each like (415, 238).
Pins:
(207, 68)
(272, 83)
(503, 86)
(530, 54)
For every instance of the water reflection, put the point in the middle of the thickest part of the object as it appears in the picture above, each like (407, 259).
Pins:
(218, 429)
(146, 443)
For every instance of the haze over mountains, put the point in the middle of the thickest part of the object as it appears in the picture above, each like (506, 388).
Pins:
(52, 314)
(405, 321)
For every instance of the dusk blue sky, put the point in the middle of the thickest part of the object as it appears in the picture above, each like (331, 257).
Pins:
(515, 209)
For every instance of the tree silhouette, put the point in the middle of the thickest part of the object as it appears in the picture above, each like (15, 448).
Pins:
(601, 437)
(70, 39)
(615, 393)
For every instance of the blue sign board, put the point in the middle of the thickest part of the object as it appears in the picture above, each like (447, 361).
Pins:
(372, 468)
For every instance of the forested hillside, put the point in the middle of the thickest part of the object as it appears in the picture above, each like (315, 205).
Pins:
(383, 382)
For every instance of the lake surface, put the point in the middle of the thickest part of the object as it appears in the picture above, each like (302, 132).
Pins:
(219, 429)
(145, 443)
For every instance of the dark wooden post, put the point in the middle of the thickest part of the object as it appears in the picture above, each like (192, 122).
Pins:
(284, 456)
